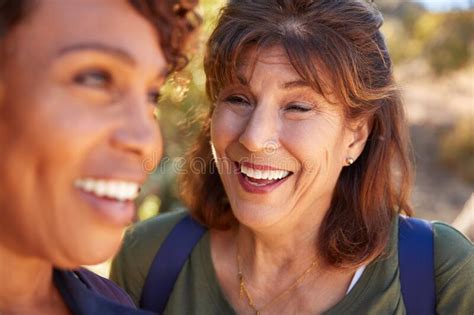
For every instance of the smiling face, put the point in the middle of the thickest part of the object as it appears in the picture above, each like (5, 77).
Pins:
(279, 145)
(79, 86)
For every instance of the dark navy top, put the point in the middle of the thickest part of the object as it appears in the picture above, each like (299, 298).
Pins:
(86, 293)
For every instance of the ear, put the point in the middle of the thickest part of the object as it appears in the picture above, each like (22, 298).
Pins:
(357, 138)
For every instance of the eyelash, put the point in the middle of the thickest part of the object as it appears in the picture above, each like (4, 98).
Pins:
(237, 100)
(298, 108)
(154, 97)
(100, 78)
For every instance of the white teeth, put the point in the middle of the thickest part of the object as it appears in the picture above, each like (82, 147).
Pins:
(263, 174)
(109, 188)
(101, 188)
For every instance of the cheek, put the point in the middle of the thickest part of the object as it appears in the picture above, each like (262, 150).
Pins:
(225, 132)
(226, 128)
(315, 144)
(69, 143)
(52, 146)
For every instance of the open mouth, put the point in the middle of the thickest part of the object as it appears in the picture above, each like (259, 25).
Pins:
(258, 178)
(115, 190)
(111, 199)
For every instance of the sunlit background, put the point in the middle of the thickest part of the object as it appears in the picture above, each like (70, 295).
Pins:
(432, 45)
(443, 5)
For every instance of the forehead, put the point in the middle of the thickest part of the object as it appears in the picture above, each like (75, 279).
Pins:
(273, 59)
(268, 56)
(52, 24)
(275, 65)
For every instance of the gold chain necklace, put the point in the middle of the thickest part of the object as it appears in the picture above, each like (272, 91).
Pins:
(244, 291)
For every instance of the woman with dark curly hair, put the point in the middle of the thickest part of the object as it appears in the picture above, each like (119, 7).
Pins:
(79, 82)
(304, 214)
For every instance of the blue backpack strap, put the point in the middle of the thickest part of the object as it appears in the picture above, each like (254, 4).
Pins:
(168, 262)
(416, 262)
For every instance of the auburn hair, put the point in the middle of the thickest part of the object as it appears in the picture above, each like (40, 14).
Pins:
(337, 47)
(174, 20)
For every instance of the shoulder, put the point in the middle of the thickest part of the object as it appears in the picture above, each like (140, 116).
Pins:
(454, 270)
(152, 231)
(452, 250)
(140, 245)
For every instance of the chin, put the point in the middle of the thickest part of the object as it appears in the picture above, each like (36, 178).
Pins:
(256, 216)
(90, 251)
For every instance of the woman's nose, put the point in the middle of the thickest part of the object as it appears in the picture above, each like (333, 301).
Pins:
(138, 132)
(261, 132)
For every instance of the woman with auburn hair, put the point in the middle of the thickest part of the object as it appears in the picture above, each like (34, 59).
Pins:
(79, 82)
(304, 215)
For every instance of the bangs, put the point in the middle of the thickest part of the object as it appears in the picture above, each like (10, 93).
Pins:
(314, 59)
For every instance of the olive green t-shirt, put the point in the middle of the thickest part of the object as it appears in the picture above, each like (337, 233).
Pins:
(197, 290)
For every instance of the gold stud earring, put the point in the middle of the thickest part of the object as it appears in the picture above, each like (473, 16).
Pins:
(349, 161)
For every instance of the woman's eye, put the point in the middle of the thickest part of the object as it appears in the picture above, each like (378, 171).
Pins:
(298, 108)
(94, 79)
(237, 100)
(154, 97)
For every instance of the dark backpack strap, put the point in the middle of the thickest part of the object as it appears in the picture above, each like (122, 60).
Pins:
(168, 262)
(416, 262)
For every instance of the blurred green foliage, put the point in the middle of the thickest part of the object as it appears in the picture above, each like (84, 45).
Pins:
(445, 40)
(456, 148)
(449, 45)
(182, 105)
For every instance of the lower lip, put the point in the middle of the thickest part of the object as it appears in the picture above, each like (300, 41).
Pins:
(248, 187)
(119, 213)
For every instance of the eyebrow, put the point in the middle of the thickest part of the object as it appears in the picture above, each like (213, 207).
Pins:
(114, 51)
(242, 80)
(117, 52)
(295, 84)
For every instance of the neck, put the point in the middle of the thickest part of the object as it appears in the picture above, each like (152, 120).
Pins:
(290, 247)
(25, 281)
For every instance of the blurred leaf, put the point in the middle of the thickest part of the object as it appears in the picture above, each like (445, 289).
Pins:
(456, 148)
(150, 207)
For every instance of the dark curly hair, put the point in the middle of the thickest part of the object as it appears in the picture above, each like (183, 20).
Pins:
(174, 20)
